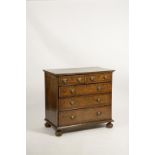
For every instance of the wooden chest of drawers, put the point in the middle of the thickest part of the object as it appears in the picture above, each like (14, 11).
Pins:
(78, 97)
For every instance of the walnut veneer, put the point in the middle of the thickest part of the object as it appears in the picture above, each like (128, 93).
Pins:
(78, 97)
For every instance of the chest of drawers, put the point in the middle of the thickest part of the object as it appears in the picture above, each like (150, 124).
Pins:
(75, 98)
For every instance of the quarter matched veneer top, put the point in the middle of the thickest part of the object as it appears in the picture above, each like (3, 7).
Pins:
(69, 71)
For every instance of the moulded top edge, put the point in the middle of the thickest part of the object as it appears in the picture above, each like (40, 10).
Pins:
(70, 71)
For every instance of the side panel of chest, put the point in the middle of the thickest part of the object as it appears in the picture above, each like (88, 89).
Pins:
(51, 98)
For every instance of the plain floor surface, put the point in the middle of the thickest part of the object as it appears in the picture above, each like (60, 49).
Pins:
(95, 141)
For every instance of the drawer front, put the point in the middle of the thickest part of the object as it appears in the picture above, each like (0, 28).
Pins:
(100, 77)
(85, 89)
(84, 115)
(71, 80)
(84, 101)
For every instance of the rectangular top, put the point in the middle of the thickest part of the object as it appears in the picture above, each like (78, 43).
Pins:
(69, 71)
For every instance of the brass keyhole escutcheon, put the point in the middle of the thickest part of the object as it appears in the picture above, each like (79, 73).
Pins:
(98, 113)
(79, 79)
(98, 100)
(72, 102)
(72, 91)
(72, 117)
(92, 78)
(64, 81)
(99, 88)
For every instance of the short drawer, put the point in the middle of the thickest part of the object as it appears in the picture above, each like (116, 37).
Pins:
(99, 77)
(84, 101)
(85, 89)
(71, 80)
(84, 115)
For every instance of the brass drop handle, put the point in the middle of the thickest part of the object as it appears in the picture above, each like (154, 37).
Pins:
(72, 91)
(72, 117)
(79, 79)
(105, 76)
(64, 81)
(98, 100)
(98, 113)
(72, 102)
(98, 88)
(92, 78)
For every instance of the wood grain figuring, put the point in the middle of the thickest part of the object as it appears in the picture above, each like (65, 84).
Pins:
(84, 115)
(71, 80)
(84, 102)
(85, 89)
(101, 77)
(78, 97)
(51, 98)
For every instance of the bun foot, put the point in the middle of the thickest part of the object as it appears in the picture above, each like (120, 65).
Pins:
(47, 125)
(58, 132)
(109, 125)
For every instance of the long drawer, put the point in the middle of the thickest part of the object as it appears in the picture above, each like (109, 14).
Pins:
(84, 101)
(69, 91)
(84, 115)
